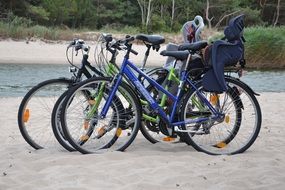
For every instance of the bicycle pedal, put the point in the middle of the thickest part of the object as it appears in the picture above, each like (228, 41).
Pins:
(168, 139)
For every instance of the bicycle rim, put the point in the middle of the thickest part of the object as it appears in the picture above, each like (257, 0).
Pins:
(237, 132)
(34, 114)
(93, 134)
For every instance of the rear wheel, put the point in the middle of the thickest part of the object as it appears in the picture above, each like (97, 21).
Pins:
(150, 129)
(236, 132)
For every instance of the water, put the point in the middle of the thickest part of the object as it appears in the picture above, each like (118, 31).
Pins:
(15, 80)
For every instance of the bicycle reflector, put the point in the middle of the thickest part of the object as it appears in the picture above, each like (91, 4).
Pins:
(26, 115)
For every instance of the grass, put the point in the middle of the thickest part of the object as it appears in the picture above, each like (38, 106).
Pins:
(265, 47)
(36, 31)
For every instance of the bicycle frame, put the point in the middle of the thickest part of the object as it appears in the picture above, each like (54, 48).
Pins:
(171, 76)
(126, 70)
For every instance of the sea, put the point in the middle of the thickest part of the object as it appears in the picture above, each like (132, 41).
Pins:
(17, 79)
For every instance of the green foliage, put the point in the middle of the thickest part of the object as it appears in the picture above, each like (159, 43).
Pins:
(265, 45)
(95, 14)
(43, 32)
(58, 10)
(39, 13)
(15, 21)
(159, 24)
(252, 16)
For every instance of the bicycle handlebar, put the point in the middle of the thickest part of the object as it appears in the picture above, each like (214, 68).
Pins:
(78, 44)
(125, 44)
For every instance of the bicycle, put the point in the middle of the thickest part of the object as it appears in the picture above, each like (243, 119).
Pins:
(171, 125)
(33, 134)
(35, 109)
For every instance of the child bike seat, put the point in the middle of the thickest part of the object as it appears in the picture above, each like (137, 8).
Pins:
(222, 54)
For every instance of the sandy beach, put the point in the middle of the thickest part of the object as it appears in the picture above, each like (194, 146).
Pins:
(39, 52)
(143, 166)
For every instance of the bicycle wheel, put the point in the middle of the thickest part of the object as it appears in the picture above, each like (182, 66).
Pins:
(56, 124)
(88, 133)
(150, 129)
(236, 132)
(34, 114)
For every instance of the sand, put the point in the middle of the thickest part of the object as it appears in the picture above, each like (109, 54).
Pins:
(143, 165)
(38, 52)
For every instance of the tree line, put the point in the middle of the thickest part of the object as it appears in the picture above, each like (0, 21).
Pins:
(147, 15)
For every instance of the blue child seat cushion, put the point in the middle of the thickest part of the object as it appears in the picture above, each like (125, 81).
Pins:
(224, 53)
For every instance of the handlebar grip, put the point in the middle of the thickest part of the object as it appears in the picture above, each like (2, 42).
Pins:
(134, 52)
(108, 37)
(129, 39)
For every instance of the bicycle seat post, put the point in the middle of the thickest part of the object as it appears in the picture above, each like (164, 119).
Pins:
(146, 56)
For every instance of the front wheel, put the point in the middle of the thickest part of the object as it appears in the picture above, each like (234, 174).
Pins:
(34, 114)
(236, 132)
(86, 131)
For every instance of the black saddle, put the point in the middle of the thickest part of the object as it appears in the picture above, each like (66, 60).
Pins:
(193, 46)
(152, 39)
(179, 55)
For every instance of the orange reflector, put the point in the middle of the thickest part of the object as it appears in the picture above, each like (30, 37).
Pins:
(214, 99)
(84, 137)
(26, 115)
(91, 102)
(101, 131)
(168, 139)
(86, 124)
(119, 132)
(227, 119)
(221, 145)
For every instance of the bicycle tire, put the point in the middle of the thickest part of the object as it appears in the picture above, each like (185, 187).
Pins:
(150, 130)
(217, 144)
(56, 124)
(34, 114)
(93, 142)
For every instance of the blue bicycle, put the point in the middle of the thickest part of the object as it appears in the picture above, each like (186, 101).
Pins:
(199, 112)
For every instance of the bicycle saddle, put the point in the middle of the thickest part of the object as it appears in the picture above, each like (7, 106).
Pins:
(193, 46)
(179, 55)
(153, 39)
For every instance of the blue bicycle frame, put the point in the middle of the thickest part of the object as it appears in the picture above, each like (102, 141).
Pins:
(126, 69)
